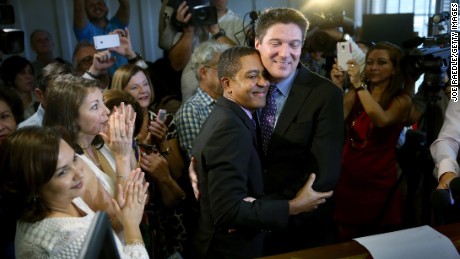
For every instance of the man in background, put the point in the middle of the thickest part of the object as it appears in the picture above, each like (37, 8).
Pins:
(45, 80)
(180, 43)
(90, 19)
(195, 110)
(41, 42)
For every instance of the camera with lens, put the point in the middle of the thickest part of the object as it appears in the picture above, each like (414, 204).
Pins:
(11, 40)
(432, 62)
(431, 59)
(202, 14)
(319, 40)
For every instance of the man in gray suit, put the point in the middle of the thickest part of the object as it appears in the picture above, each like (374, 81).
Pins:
(233, 213)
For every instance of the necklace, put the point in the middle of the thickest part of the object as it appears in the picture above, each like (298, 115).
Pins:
(105, 165)
(85, 148)
(97, 163)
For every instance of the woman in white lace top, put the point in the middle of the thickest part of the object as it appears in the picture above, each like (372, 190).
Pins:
(42, 181)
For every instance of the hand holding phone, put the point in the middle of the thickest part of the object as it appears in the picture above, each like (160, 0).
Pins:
(161, 115)
(106, 41)
(344, 53)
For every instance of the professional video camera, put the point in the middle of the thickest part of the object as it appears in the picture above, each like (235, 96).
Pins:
(431, 59)
(11, 40)
(201, 14)
(319, 40)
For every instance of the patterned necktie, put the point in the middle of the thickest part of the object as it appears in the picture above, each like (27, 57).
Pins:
(253, 119)
(267, 117)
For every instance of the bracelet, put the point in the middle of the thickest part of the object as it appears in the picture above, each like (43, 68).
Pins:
(219, 34)
(362, 86)
(121, 176)
(134, 243)
(98, 77)
(135, 59)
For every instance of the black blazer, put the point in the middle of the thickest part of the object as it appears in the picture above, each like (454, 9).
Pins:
(229, 169)
(308, 137)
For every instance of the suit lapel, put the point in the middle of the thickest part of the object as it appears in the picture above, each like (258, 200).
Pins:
(241, 114)
(297, 96)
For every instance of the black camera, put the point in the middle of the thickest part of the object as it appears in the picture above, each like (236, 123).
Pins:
(190, 3)
(432, 59)
(11, 40)
(204, 15)
(201, 13)
(319, 40)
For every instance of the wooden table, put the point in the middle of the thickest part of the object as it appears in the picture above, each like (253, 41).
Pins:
(354, 250)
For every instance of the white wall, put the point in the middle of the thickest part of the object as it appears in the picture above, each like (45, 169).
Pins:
(56, 16)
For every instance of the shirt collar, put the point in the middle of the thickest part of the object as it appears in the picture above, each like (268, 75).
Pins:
(208, 100)
(248, 112)
(285, 85)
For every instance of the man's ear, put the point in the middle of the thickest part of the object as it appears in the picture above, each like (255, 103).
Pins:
(39, 95)
(256, 43)
(225, 82)
(202, 72)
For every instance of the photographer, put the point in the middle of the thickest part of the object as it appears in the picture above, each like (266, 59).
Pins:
(90, 19)
(179, 36)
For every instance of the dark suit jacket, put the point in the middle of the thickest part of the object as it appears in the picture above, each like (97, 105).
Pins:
(229, 169)
(308, 138)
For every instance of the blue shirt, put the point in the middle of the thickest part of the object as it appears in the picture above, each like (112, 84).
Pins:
(90, 30)
(284, 87)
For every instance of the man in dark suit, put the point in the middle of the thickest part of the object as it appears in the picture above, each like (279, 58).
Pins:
(308, 131)
(232, 213)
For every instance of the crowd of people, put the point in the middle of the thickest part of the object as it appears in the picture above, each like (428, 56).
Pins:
(246, 152)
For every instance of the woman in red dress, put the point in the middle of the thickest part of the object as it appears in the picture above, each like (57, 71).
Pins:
(375, 108)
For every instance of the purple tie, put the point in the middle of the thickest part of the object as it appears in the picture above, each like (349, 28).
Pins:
(267, 117)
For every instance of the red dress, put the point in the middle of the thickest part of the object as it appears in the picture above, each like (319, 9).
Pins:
(368, 174)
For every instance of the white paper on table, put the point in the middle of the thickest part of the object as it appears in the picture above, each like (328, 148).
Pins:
(421, 242)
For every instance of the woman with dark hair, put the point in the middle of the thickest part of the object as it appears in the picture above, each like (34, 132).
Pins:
(104, 143)
(42, 181)
(18, 73)
(376, 108)
(11, 112)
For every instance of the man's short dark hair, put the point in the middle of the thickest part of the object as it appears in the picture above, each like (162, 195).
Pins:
(229, 61)
(50, 72)
(274, 16)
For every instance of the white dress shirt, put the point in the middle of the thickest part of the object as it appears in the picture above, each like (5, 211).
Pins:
(444, 150)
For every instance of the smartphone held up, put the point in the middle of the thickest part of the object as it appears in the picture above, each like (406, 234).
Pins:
(344, 54)
(106, 41)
